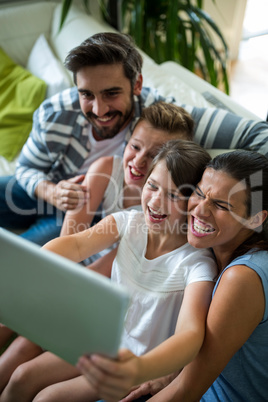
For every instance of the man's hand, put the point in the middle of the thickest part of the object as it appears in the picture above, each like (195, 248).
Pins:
(65, 195)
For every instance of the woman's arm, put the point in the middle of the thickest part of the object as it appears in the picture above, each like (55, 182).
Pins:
(96, 182)
(82, 245)
(114, 379)
(235, 311)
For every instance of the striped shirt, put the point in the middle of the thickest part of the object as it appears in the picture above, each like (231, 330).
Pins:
(59, 143)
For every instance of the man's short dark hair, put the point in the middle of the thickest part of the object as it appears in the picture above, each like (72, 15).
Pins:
(106, 48)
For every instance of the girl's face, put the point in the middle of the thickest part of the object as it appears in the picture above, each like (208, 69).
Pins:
(165, 208)
(218, 212)
(140, 151)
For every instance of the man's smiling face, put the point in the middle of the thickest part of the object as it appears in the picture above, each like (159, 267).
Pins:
(106, 98)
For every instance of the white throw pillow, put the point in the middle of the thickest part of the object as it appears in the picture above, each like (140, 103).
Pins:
(43, 64)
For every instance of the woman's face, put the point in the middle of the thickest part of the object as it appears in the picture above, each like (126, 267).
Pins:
(218, 212)
(165, 208)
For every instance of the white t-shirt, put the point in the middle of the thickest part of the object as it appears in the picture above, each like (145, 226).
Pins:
(156, 286)
(113, 200)
(109, 147)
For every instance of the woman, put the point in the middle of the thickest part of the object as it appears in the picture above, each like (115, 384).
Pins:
(227, 212)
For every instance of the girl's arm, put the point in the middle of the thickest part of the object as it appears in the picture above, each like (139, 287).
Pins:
(82, 245)
(96, 182)
(114, 379)
(183, 346)
(235, 311)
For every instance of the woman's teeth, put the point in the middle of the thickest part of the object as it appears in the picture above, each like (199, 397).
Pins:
(202, 229)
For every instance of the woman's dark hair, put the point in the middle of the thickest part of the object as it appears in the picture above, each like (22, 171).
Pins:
(250, 168)
(185, 160)
(106, 48)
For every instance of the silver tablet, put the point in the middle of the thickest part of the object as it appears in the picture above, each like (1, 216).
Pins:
(58, 304)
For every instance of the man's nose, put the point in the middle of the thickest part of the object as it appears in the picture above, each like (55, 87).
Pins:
(99, 107)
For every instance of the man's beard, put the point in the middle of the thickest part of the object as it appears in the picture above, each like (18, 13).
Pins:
(110, 132)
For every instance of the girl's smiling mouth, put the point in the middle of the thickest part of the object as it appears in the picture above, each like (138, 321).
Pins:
(155, 216)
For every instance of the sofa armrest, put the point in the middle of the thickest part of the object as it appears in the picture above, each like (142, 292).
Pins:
(213, 95)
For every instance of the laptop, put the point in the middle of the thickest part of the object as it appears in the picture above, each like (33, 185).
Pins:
(58, 304)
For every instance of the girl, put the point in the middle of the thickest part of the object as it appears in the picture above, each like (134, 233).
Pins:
(170, 282)
(117, 184)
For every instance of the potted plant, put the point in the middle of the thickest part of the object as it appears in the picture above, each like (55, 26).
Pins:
(177, 30)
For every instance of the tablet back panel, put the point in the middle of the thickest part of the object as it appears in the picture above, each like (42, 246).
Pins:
(56, 303)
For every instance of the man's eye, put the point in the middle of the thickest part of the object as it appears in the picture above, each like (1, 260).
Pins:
(86, 95)
(112, 93)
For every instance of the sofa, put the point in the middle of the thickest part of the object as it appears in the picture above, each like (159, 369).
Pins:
(30, 37)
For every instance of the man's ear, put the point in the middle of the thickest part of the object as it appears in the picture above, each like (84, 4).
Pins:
(257, 220)
(138, 85)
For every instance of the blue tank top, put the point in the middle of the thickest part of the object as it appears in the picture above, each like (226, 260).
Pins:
(245, 378)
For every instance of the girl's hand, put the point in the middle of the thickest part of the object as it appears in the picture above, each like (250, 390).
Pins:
(111, 379)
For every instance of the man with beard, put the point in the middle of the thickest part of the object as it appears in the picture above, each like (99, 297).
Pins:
(71, 130)
(96, 118)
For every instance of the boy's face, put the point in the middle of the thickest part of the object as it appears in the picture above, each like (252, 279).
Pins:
(106, 98)
(140, 151)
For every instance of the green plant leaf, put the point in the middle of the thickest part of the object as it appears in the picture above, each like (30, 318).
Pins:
(178, 30)
(86, 5)
(205, 16)
(171, 27)
(66, 4)
(139, 26)
(103, 9)
(215, 63)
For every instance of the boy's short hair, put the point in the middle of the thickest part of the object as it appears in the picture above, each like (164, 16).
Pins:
(170, 118)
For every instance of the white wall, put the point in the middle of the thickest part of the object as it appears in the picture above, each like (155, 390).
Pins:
(229, 16)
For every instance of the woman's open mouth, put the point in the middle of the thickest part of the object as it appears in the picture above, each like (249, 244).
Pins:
(200, 228)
